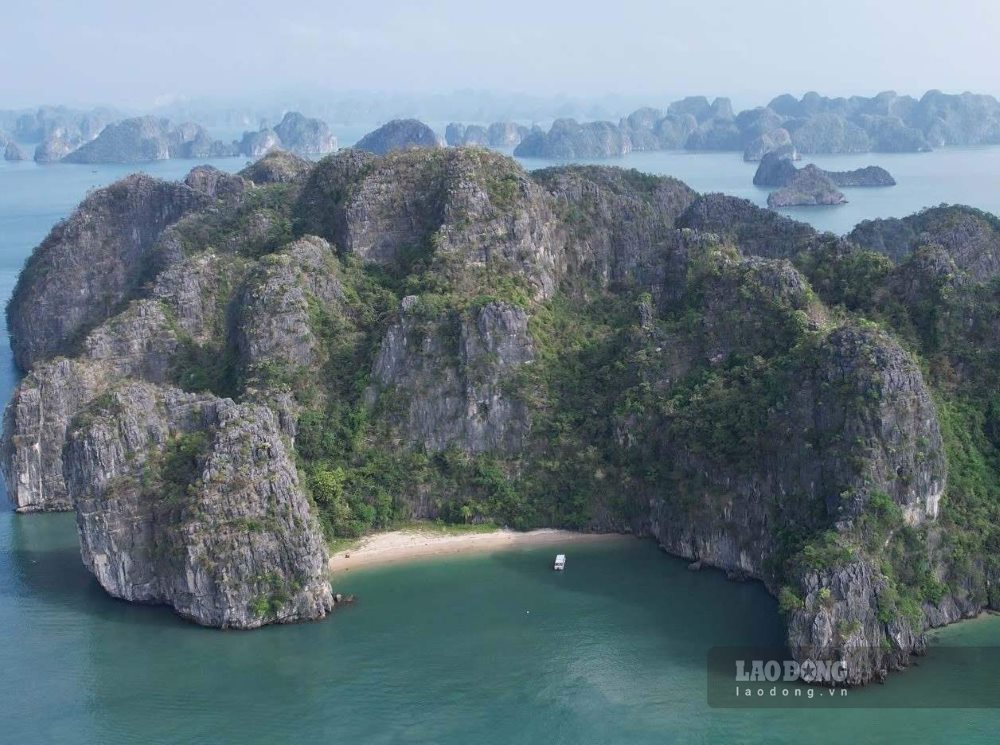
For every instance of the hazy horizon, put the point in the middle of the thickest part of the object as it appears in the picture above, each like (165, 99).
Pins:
(113, 53)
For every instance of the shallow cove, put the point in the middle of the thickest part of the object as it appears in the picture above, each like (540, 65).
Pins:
(488, 649)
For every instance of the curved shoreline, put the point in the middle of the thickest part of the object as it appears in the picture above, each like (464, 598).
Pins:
(414, 543)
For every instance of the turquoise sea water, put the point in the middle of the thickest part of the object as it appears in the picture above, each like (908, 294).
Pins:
(486, 649)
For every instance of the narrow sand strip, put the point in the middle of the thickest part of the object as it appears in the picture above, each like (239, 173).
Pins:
(404, 545)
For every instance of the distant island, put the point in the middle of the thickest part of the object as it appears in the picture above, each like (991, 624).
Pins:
(814, 124)
(10, 149)
(811, 186)
(398, 134)
(69, 136)
(496, 135)
(811, 125)
(295, 133)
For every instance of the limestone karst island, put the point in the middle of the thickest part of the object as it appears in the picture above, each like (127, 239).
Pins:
(453, 376)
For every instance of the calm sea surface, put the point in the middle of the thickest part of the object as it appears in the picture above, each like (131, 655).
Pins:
(487, 649)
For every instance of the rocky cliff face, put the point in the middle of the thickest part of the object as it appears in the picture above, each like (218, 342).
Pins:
(970, 237)
(194, 502)
(253, 363)
(90, 263)
(446, 378)
(774, 170)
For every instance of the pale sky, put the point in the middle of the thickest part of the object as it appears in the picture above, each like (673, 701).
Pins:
(133, 52)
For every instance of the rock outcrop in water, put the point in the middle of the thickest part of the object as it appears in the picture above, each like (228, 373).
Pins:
(569, 139)
(221, 373)
(70, 124)
(774, 141)
(304, 135)
(813, 124)
(194, 501)
(497, 135)
(54, 148)
(147, 138)
(868, 176)
(811, 185)
(775, 169)
(294, 133)
(12, 152)
(399, 134)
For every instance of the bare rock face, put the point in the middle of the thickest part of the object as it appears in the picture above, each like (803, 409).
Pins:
(90, 262)
(274, 334)
(194, 502)
(626, 221)
(446, 378)
(215, 183)
(840, 620)
(143, 341)
(139, 342)
(35, 423)
(457, 208)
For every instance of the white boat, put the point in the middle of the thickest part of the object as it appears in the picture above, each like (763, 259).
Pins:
(560, 562)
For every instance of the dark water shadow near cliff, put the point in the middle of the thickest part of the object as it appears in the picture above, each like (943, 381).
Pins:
(702, 606)
(44, 564)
